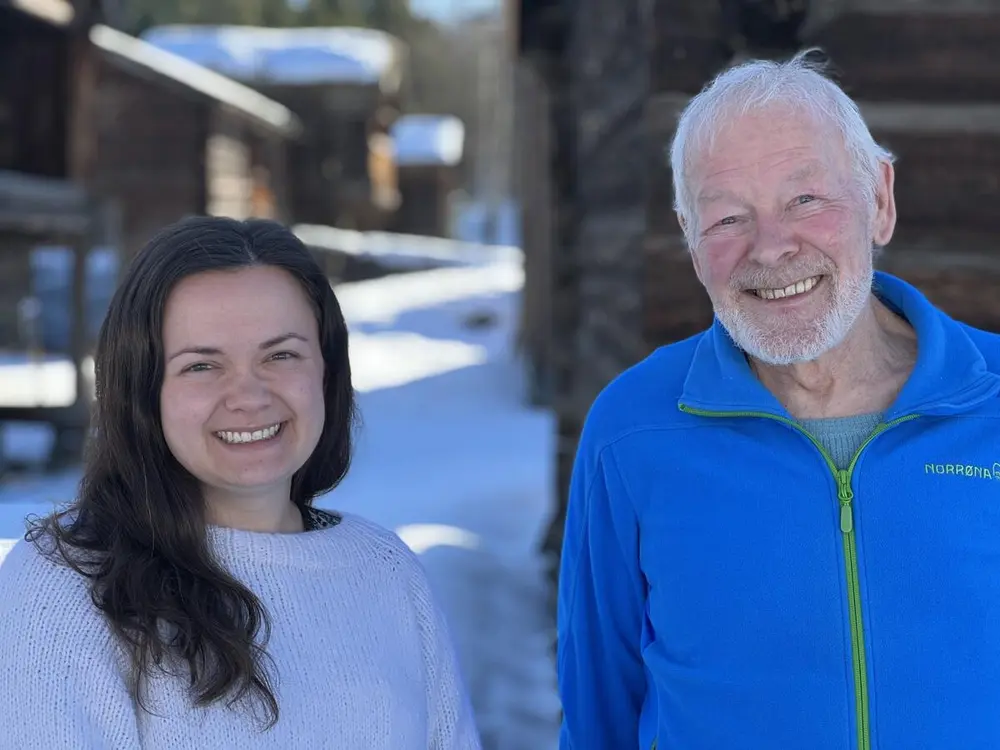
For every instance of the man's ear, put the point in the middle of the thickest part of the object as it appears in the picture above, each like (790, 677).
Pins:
(885, 205)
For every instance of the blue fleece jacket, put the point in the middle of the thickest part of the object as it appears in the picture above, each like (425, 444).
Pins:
(724, 587)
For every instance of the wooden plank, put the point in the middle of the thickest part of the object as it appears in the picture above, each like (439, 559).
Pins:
(39, 205)
(51, 414)
(821, 13)
(81, 136)
(913, 7)
(915, 56)
(971, 251)
(663, 109)
(936, 119)
(34, 96)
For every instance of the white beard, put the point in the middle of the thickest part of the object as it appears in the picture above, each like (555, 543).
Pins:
(799, 340)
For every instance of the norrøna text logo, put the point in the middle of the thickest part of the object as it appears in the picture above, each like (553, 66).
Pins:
(972, 471)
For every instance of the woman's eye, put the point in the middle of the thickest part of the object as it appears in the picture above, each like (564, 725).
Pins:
(802, 199)
(284, 355)
(728, 221)
(198, 367)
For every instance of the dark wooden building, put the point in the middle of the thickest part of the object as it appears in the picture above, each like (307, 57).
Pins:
(103, 140)
(428, 153)
(600, 84)
(346, 86)
(177, 139)
(47, 85)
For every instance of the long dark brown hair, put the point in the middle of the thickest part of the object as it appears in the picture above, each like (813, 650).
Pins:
(137, 530)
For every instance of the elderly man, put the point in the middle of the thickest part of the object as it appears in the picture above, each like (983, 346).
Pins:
(784, 533)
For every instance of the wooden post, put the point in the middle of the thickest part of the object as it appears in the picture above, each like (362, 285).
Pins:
(81, 151)
(104, 230)
(81, 133)
(534, 193)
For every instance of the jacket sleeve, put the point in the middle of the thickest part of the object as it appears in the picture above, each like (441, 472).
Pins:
(62, 685)
(451, 724)
(602, 681)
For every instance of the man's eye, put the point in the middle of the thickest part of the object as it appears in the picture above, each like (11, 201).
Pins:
(802, 199)
(727, 221)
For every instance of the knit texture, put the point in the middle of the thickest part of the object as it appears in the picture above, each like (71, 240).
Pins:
(363, 658)
(842, 437)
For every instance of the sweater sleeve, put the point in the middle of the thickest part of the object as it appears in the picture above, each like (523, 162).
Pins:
(601, 608)
(62, 684)
(451, 724)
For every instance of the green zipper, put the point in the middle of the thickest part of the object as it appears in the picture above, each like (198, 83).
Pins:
(844, 496)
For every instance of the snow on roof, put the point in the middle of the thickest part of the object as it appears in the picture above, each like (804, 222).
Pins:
(422, 140)
(136, 52)
(283, 56)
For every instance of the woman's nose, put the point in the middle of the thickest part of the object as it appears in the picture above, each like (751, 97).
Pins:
(248, 392)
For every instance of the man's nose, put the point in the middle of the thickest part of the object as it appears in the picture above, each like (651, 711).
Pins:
(773, 242)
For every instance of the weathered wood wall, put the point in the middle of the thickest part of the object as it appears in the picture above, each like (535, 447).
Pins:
(424, 192)
(595, 91)
(916, 50)
(165, 153)
(328, 167)
(151, 154)
(533, 185)
(688, 49)
(35, 100)
(35, 95)
(15, 283)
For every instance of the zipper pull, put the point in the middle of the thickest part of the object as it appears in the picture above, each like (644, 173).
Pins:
(846, 494)
(846, 518)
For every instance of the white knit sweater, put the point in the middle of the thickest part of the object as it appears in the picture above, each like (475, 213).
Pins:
(363, 656)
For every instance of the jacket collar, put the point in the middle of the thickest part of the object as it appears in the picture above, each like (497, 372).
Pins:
(950, 375)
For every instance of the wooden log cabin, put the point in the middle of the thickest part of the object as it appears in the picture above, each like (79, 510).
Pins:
(176, 139)
(103, 140)
(171, 139)
(345, 84)
(599, 87)
(428, 151)
(46, 157)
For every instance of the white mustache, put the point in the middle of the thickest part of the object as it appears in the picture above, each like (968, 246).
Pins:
(770, 281)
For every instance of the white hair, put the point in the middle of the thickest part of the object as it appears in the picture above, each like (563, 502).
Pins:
(799, 83)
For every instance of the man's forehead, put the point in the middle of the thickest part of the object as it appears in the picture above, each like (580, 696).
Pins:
(806, 171)
(717, 184)
(762, 129)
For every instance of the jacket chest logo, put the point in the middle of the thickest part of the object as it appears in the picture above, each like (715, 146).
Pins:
(966, 471)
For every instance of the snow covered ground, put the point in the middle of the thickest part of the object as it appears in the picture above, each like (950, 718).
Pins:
(450, 458)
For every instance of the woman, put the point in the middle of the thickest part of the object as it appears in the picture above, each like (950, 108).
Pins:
(192, 597)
